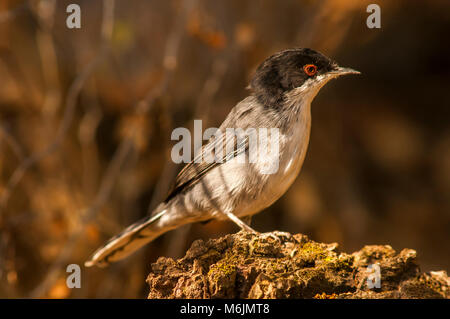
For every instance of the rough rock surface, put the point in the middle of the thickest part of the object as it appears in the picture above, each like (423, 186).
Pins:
(281, 265)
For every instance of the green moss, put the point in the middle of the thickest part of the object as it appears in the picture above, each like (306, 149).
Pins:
(224, 268)
(344, 263)
(244, 265)
(329, 259)
(253, 246)
(311, 253)
(277, 266)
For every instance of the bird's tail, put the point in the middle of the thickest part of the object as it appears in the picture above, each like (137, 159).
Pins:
(128, 241)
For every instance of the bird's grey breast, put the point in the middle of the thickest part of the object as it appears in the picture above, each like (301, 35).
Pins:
(293, 144)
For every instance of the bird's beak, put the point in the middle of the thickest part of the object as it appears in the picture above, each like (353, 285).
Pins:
(343, 71)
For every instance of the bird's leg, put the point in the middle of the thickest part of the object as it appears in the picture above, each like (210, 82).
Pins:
(240, 223)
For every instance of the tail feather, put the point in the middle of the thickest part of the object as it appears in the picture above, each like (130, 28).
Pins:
(127, 242)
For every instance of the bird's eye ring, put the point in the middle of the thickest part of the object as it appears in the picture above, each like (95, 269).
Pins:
(310, 69)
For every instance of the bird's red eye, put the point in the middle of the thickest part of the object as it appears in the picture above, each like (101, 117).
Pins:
(310, 69)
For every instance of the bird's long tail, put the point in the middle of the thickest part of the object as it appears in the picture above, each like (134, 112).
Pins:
(128, 241)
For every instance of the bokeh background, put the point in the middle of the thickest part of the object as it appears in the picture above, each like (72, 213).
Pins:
(86, 116)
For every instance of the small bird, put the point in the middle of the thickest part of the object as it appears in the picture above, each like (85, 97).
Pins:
(282, 90)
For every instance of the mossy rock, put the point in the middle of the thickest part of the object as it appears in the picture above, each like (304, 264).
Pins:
(281, 265)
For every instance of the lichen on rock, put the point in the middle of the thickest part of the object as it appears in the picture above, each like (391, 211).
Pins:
(281, 265)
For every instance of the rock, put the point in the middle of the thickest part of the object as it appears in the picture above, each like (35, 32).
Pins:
(281, 265)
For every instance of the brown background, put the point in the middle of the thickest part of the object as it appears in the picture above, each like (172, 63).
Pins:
(85, 123)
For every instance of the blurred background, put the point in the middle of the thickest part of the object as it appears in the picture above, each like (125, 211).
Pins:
(86, 116)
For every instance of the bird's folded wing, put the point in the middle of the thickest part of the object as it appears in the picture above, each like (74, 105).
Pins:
(227, 146)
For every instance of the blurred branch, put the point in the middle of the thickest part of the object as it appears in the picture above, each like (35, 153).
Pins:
(12, 13)
(74, 91)
(45, 13)
(212, 85)
(125, 147)
(89, 124)
(71, 102)
(11, 141)
(327, 25)
(27, 91)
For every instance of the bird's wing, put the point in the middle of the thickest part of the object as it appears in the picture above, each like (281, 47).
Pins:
(193, 171)
(230, 146)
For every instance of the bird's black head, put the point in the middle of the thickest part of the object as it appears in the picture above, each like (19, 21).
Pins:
(290, 69)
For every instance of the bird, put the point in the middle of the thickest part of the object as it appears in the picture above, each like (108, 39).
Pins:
(230, 188)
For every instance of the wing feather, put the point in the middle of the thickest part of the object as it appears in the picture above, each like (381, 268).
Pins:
(231, 146)
(194, 170)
